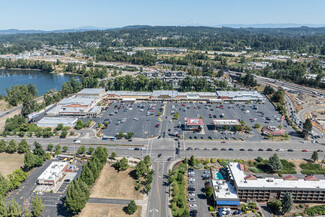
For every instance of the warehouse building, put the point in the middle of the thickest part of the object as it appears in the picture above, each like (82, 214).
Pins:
(93, 92)
(53, 173)
(249, 187)
(54, 121)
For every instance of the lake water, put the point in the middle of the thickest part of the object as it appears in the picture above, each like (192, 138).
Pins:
(42, 80)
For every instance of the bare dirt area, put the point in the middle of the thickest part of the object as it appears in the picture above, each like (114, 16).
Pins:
(4, 106)
(10, 162)
(106, 210)
(115, 185)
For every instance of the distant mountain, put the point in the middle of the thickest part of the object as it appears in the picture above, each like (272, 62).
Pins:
(79, 29)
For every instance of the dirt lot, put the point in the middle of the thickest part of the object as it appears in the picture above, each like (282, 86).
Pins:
(106, 210)
(4, 106)
(10, 162)
(115, 185)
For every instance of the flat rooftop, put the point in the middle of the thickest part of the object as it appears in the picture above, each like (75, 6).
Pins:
(194, 122)
(52, 171)
(58, 120)
(91, 91)
(229, 122)
(272, 183)
(240, 94)
(224, 190)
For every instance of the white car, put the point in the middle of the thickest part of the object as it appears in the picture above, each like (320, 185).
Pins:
(279, 150)
(191, 199)
(191, 179)
(130, 148)
(193, 205)
(191, 194)
(77, 141)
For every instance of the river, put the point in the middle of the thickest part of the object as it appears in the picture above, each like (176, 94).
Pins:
(42, 80)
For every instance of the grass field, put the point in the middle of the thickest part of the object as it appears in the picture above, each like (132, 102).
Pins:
(106, 210)
(10, 162)
(115, 185)
(4, 106)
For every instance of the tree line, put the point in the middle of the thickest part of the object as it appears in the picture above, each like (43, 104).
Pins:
(43, 66)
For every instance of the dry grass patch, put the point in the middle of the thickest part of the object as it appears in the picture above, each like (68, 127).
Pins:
(106, 210)
(4, 105)
(10, 162)
(115, 185)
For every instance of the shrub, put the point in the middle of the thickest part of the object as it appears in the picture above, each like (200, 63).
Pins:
(213, 160)
(211, 208)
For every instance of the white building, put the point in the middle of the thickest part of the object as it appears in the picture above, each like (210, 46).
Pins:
(54, 121)
(53, 173)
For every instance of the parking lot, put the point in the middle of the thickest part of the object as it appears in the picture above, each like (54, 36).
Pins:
(197, 192)
(139, 118)
(143, 120)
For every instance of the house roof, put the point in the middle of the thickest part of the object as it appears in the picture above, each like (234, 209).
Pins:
(290, 177)
(311, 178)
(250, 177)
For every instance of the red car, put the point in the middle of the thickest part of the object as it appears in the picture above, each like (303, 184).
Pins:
(304, 150)
(183, 104)
(223, 141)
(221, 106)
(157, 125)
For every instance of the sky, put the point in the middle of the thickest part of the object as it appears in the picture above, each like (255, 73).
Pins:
(65, 14)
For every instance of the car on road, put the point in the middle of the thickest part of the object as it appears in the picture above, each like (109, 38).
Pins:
(195, 137)
(269, 149)
(290, 150)
(279, 150)
(250, 149)
(190, 137)
(242, 149)
(40, 193)
(191, 199)
(206, 172)
(77, 141)
(215, 149)
(223, 149)
(130, 148)
(207, 149)
(304, 150)
(261, 149)
(230, 149)
(137, 149)
(197, 149)
(320, 150)
(223, 141)
(169, 159)
(189, 149)
(202, 137)
(159, 155)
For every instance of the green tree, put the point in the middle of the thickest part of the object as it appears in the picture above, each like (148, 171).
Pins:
(3, 208)
(59, 127)
(209, 192)
(65, 148)
(80, 124)
(17, 177)
(81, 150)
(257, 126)
(77, 196)
(87, 176)
(3, 145)
(122, 164)
(90, 150)
(191, 162)
(132, 207)
(12, 147)
(29, 160)
(63, 134)
(57, 150)
(268, 90)
(23, 146)
(27, 213)
(307, 127)
(113, 155)
(5, 186)
(287, 202)
(274, 163)
(38, 206)
(120, 135)
(50, 147)
(147, 161)
(314, 156)
(140, 169)
(38, 150)
(14, 209)
(275, 206)
(129, 135)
